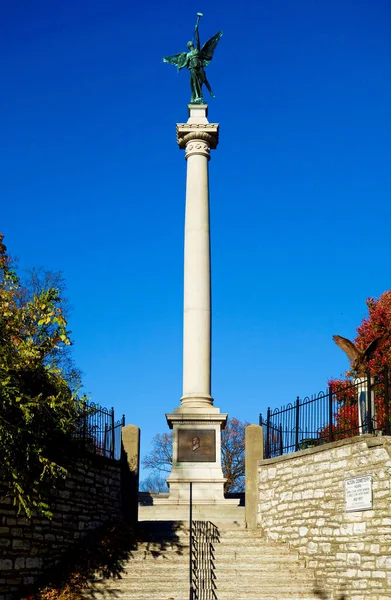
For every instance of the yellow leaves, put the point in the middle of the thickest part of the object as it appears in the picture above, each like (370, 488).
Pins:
(6, 309)
(45, 320)
(36, 388)
(53, 317)
(65, 339)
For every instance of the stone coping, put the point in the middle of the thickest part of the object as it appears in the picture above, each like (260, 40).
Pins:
(146, 498)
(188, 418)
(372, 440)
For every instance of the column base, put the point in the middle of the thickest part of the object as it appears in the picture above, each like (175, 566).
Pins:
(197, 401)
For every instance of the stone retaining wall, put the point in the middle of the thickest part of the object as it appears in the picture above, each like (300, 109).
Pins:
(302, 502)
(86, 499)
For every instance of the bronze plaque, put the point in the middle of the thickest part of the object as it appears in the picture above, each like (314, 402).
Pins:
(196, 445)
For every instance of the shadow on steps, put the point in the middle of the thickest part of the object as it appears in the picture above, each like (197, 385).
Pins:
(103, 554)
(152, 563)
(159, 536)
(105, 551)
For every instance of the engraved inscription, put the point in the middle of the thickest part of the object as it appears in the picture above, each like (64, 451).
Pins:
(358, 493)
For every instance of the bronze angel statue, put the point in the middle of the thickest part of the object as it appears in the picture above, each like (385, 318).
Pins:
(358, 358)
(196, 59)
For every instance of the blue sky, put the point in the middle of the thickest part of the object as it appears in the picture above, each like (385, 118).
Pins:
(93, 184)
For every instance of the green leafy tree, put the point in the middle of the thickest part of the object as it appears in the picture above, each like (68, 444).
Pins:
(33, 281)
(159, 459)
(39, 405)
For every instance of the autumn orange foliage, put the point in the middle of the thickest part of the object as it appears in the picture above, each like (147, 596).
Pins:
(376, 325)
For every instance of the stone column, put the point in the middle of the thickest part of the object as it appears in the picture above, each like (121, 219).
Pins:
(197, 137)
(254, 453)
(130, 470)
(196, 423)
(365, 398)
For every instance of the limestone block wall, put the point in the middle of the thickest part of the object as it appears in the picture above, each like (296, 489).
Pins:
(87, 498)
(302, 502)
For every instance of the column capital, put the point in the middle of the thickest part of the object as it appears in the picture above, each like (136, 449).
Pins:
(201, 132)
(198, 136)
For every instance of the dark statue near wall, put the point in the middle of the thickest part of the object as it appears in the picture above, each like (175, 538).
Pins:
(358, 358)
(196, 59)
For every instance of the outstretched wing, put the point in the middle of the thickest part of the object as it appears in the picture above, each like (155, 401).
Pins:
(347, 346)
(372, 347)
(179, 60)
(209, 47)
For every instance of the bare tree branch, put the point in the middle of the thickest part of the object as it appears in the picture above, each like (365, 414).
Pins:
(159, 459)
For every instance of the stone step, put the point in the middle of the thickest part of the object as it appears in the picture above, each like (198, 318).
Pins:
(219, 547)
(173, 570)
(185, 532)
(222, 559)
(252, 543)
(224, 563)
(229, 516)
(159, 530)
(237, 595)
(233, 591)
(183, 526)
(270, 591)
(162, 545)
(247, 552)
(156, 561)
(239, 592)
(246, 566)
(222, 539)
(253, 550)
(236, 580)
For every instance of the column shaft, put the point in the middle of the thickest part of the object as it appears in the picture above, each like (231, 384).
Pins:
(197, 303)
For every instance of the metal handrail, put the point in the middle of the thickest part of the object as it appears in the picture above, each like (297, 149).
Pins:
(191, 541)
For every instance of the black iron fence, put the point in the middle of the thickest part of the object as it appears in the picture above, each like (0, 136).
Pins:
(345, 409)
(99, 432)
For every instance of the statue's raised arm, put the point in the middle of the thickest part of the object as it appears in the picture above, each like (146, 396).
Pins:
(196, 59)
(196, 32)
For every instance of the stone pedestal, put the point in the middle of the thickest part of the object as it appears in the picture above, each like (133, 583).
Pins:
(366, 406)
(196, 423)
(197, 458)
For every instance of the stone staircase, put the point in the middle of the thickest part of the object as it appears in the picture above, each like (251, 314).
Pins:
(235, 564)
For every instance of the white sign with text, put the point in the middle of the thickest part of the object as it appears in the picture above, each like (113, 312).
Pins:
(358, 493)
